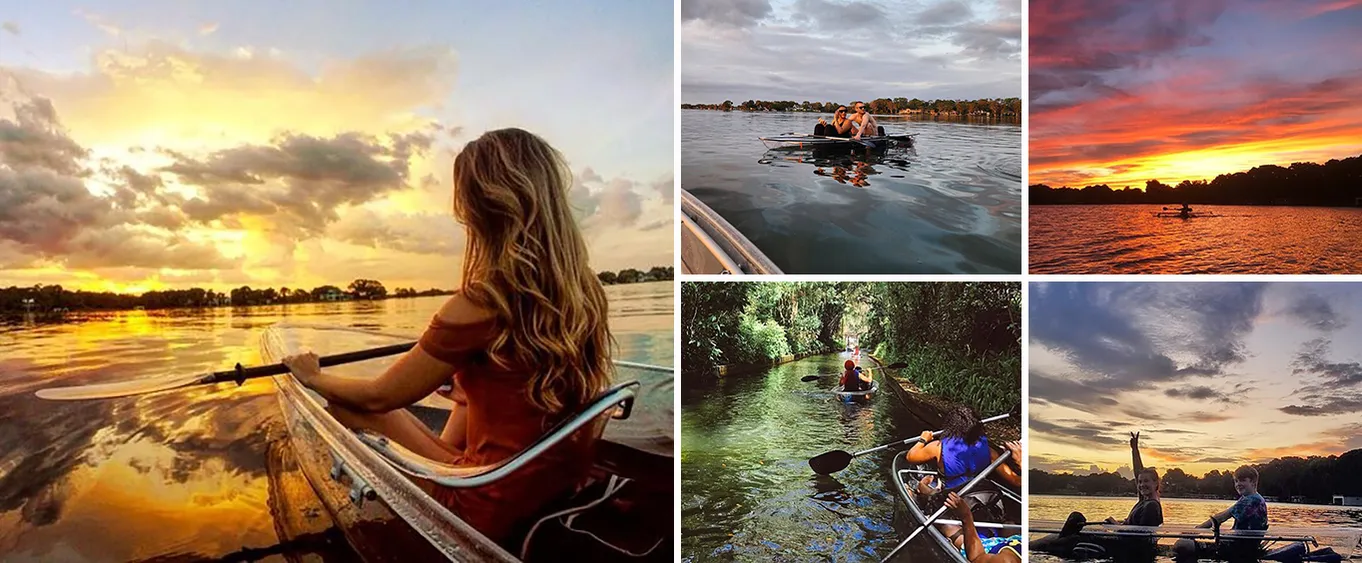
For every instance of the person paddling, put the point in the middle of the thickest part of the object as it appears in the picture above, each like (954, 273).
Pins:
(960, 454)
(854, 379)
(982, 548)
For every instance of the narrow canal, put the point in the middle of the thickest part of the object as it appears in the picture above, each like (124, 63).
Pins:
(747, 493)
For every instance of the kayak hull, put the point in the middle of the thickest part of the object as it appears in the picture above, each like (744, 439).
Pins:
(859, 396)
(711, 245)
(384, 514)
(794, 141)
(906, 482)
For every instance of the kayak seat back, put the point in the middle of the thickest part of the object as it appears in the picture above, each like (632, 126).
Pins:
(614, 403)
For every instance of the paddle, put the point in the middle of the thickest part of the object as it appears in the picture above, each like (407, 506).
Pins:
(239, 375)
(837, 460)
(962, 492)
(808, 378)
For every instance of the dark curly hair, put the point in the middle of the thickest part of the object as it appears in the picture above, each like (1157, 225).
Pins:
(962, 423)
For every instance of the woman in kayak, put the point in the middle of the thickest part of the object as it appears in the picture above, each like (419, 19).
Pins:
(841, 126)
(1148, 511)
(525, 340)
(854, 379)
(960, 455)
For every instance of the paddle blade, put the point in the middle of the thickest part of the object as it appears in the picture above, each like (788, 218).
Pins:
(897, 365)
(830, 462)
(117, 389)
(809, 378)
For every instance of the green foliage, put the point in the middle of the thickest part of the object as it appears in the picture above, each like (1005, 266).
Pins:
(759, 340)
(709, 325)
(962, 341)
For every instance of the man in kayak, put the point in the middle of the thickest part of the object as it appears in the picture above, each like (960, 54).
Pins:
(854, 378)
(982, 549)
(841, 126)
(960, 455)
(1249, 513)
(866, 124)
(1147, 512)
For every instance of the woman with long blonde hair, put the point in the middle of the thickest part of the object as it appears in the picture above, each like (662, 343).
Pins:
(523, 342)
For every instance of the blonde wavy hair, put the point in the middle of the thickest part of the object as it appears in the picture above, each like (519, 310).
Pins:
(526, 260)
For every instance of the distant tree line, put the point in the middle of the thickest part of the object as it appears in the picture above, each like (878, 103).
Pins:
(630, 275)
(1315, 478)
(988, 107)
(46, 299)
(1336, 183)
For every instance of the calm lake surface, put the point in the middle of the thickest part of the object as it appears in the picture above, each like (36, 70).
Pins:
(1128, 239)
(1196, 511)
(950, 205)
(193, 474)
(747, 493)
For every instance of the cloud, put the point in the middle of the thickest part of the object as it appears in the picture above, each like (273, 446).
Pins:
(732, 13)
(850, 16)
(299, 180)
(1331, 388)
(879, 48)
(1314, 311)
(1118, 339)
(1198, 393)
(35, 138)
(11, 27)
(208, 28)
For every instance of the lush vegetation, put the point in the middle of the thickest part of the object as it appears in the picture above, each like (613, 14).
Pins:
(49, 298)
(989, 107)
(962, 341)
(1334, 183)
(1315, 478)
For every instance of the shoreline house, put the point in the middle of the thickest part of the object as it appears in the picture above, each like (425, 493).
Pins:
(1344, 500)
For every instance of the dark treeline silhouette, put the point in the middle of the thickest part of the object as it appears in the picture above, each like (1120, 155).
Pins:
(1336, 183)
(47, 299)
(1314, 479)
(988, 107)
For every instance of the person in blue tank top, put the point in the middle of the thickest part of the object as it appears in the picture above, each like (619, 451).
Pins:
(961, 453)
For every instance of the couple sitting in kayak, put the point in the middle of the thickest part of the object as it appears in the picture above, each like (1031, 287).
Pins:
(856, 126)
(525, 342)
(1249, 513)
(855, 378)
(961, 453)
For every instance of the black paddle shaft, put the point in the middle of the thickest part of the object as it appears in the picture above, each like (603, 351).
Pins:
(240, 374)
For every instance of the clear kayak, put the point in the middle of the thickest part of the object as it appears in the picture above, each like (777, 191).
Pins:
(905, 477)
(710, 245)
(859, 396)
(377, 491)
(793, 140)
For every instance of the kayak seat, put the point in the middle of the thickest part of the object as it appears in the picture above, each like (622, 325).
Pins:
(614, 403)
(880, 128)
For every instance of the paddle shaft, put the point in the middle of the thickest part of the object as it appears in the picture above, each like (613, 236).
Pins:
(917, 439)
(241, 374)
(964, 491)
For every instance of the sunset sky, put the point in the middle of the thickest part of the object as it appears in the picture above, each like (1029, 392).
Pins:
(155, 145)
(1170, 90)
(1213, 375)
(821, 50)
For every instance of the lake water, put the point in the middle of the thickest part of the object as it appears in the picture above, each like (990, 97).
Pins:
(1196, 511)
(1128, 239)
(192, 474)
(950, 205)
(747, 492)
